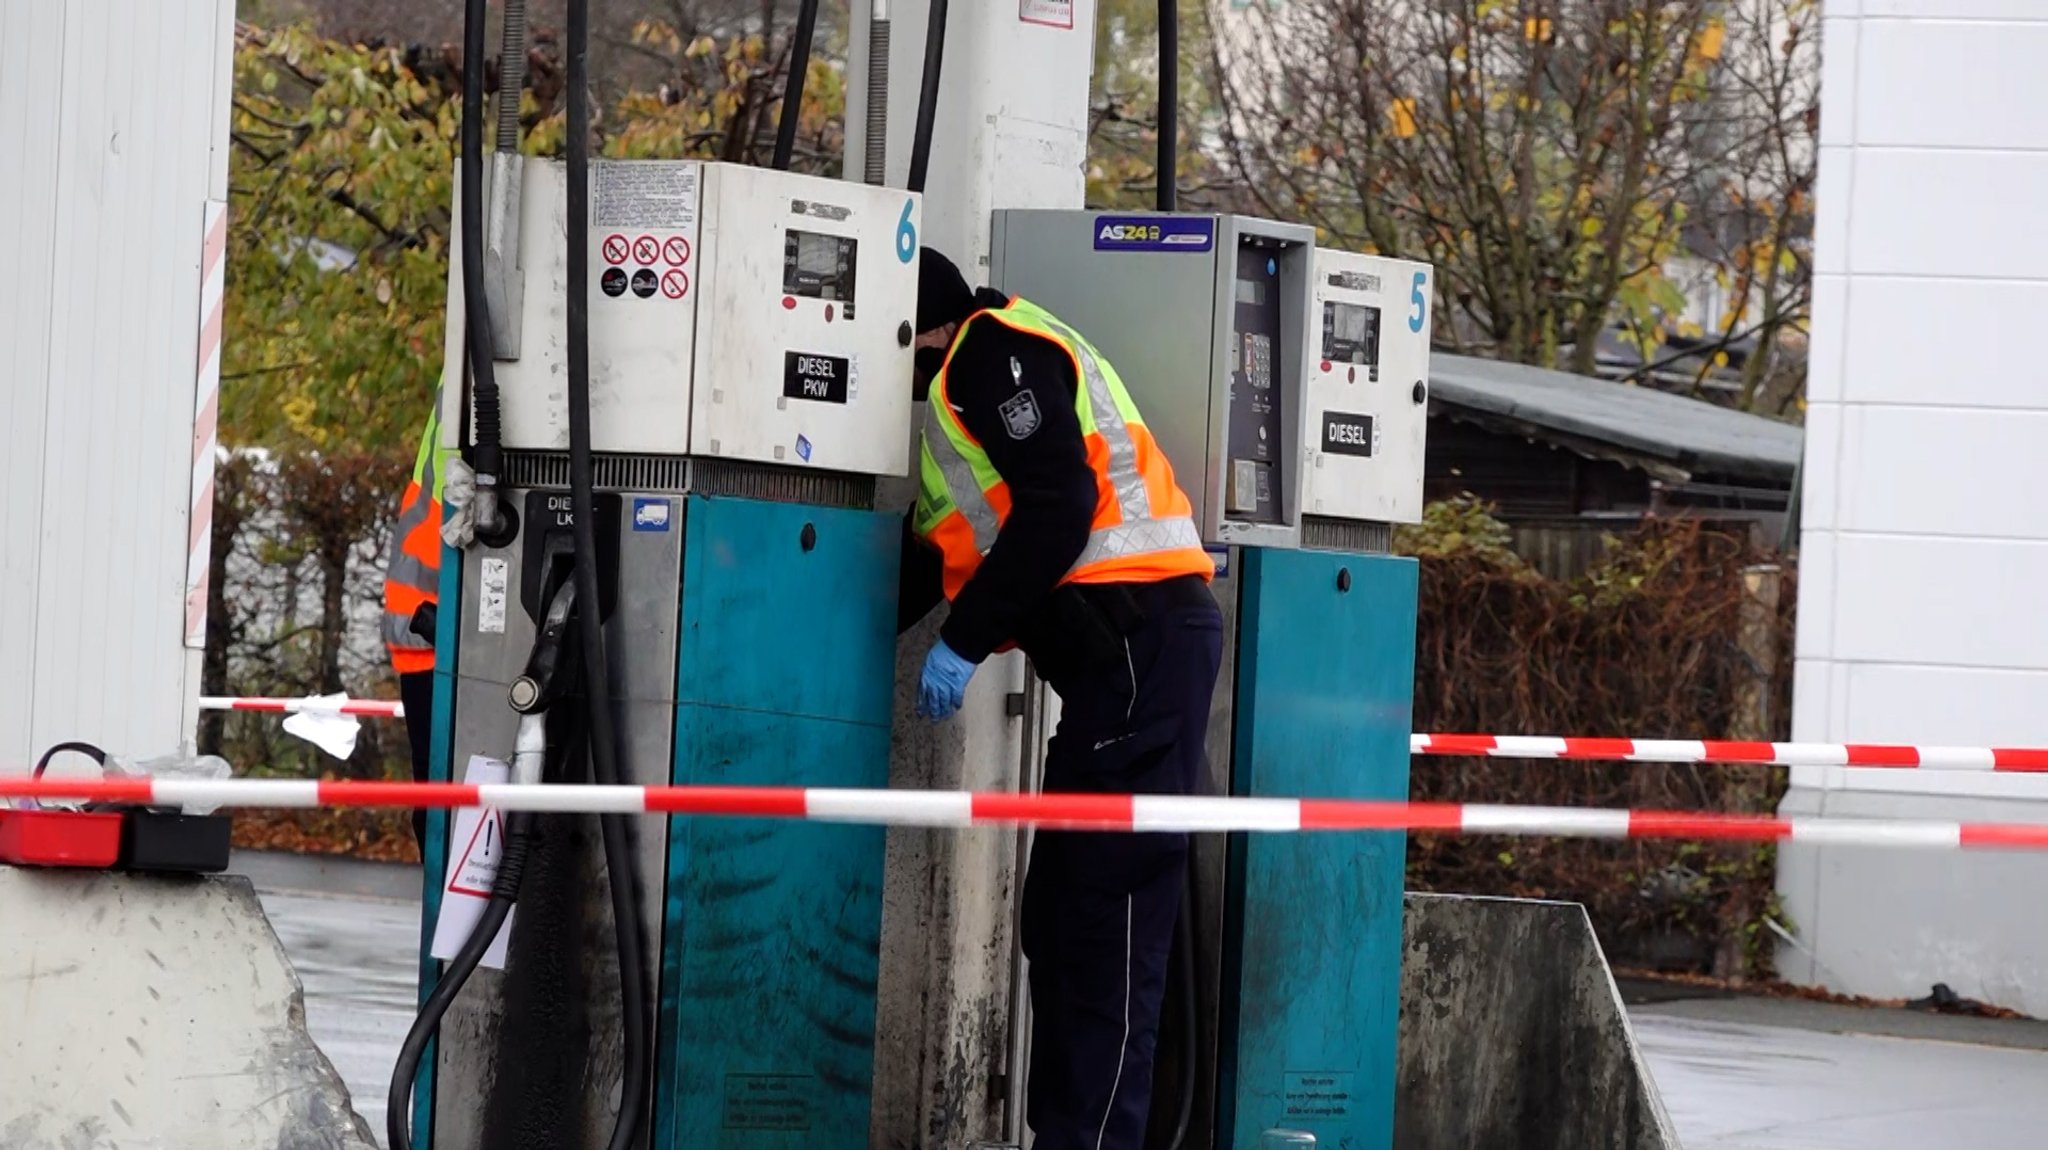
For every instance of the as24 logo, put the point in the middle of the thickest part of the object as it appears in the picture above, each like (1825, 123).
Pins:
(1153, 234)
(1129, 233)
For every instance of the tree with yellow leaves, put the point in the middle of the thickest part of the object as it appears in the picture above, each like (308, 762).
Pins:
(1554, 159)
(339, 188)
(1123, 107)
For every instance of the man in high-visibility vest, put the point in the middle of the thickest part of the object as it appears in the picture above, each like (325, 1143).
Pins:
(1050, 518)
(412, 587)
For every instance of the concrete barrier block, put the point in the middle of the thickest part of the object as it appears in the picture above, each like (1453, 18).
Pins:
(1514, 1034)
(142, 1011)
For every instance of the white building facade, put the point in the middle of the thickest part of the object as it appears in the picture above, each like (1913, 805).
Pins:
(1923, 592)
(114, 141)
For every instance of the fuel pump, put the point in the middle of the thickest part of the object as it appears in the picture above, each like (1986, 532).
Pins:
(704, 369)
(1288, 386)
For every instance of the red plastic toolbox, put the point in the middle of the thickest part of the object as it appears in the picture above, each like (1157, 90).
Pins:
(60, 838)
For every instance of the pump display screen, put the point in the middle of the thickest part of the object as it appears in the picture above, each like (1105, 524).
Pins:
(1351, 334)
(1258, 363)
(818, 266)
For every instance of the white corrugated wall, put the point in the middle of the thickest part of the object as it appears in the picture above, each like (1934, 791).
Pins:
(113, 139)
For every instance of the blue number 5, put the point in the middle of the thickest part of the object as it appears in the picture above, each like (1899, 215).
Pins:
(1420, 300)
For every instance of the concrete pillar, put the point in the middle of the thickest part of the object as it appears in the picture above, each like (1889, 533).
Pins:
(1012, 124)
(1011, 131)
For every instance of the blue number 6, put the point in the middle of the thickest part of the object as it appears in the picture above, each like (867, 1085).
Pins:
(906, 235)
(1420, 300)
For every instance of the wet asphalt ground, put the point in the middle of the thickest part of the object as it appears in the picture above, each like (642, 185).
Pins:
(1735, 1073)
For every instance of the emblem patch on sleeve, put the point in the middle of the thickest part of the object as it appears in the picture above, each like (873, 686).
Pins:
(1020, 414)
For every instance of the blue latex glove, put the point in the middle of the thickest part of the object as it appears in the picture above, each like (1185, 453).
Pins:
(944, 683)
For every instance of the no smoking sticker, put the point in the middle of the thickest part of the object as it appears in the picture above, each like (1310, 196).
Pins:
(646, 250)
(615, 249)
(676, 251)
(675, 283)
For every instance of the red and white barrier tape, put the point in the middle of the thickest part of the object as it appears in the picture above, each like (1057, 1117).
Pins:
(1878, 755)
(909, 808)
(1875, 755)
(213, 251)
(378, 708)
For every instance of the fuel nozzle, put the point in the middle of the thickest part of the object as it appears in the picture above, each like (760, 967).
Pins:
(550, 668)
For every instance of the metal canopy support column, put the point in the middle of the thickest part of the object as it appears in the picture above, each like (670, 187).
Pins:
(1010, 131)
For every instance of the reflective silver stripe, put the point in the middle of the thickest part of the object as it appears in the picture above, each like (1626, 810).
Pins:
(397, 631)
(403, 568)
(960, 482)
(403, 525)
(1144, 537)
(1131, 496)
(1138, 534)
(406, 570)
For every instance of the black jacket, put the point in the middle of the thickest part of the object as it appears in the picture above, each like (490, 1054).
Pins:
(1015, 393)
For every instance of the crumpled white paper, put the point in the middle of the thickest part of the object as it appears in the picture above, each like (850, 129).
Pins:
(458, 492)
(322, 724)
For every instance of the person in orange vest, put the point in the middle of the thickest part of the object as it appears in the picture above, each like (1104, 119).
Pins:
(1050, 519)
(412, 587)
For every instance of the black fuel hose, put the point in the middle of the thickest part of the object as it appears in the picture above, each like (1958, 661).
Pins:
(621, 868)
(504, 892)
(1169, 105)
(99, 757)
(1187, 994)
(511, 74)
(877, 142)
(793, 84)
(488, 457)
(928, 93)
(549, 661)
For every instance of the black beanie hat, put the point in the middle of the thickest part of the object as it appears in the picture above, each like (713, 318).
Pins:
(943, 296)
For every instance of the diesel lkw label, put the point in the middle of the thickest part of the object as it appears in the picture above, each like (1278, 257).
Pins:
(818, 378)
(1347, 434)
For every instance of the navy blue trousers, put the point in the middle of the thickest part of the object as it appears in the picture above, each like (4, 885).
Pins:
(1099, 909)
(416, 691)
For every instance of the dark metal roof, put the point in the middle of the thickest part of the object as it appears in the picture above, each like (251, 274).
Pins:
(1642, 424)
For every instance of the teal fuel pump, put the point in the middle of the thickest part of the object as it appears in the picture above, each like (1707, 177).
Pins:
(1290, 383)
(686, 378)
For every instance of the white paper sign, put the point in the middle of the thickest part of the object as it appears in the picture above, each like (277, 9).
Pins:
(490, 600)
(475, 844)
(1050, 13)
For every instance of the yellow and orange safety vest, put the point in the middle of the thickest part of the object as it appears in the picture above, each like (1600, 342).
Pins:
(413, 577)
(1143, 531)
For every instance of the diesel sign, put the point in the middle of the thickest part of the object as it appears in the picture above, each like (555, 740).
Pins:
(1347, 434)
(818, 378)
